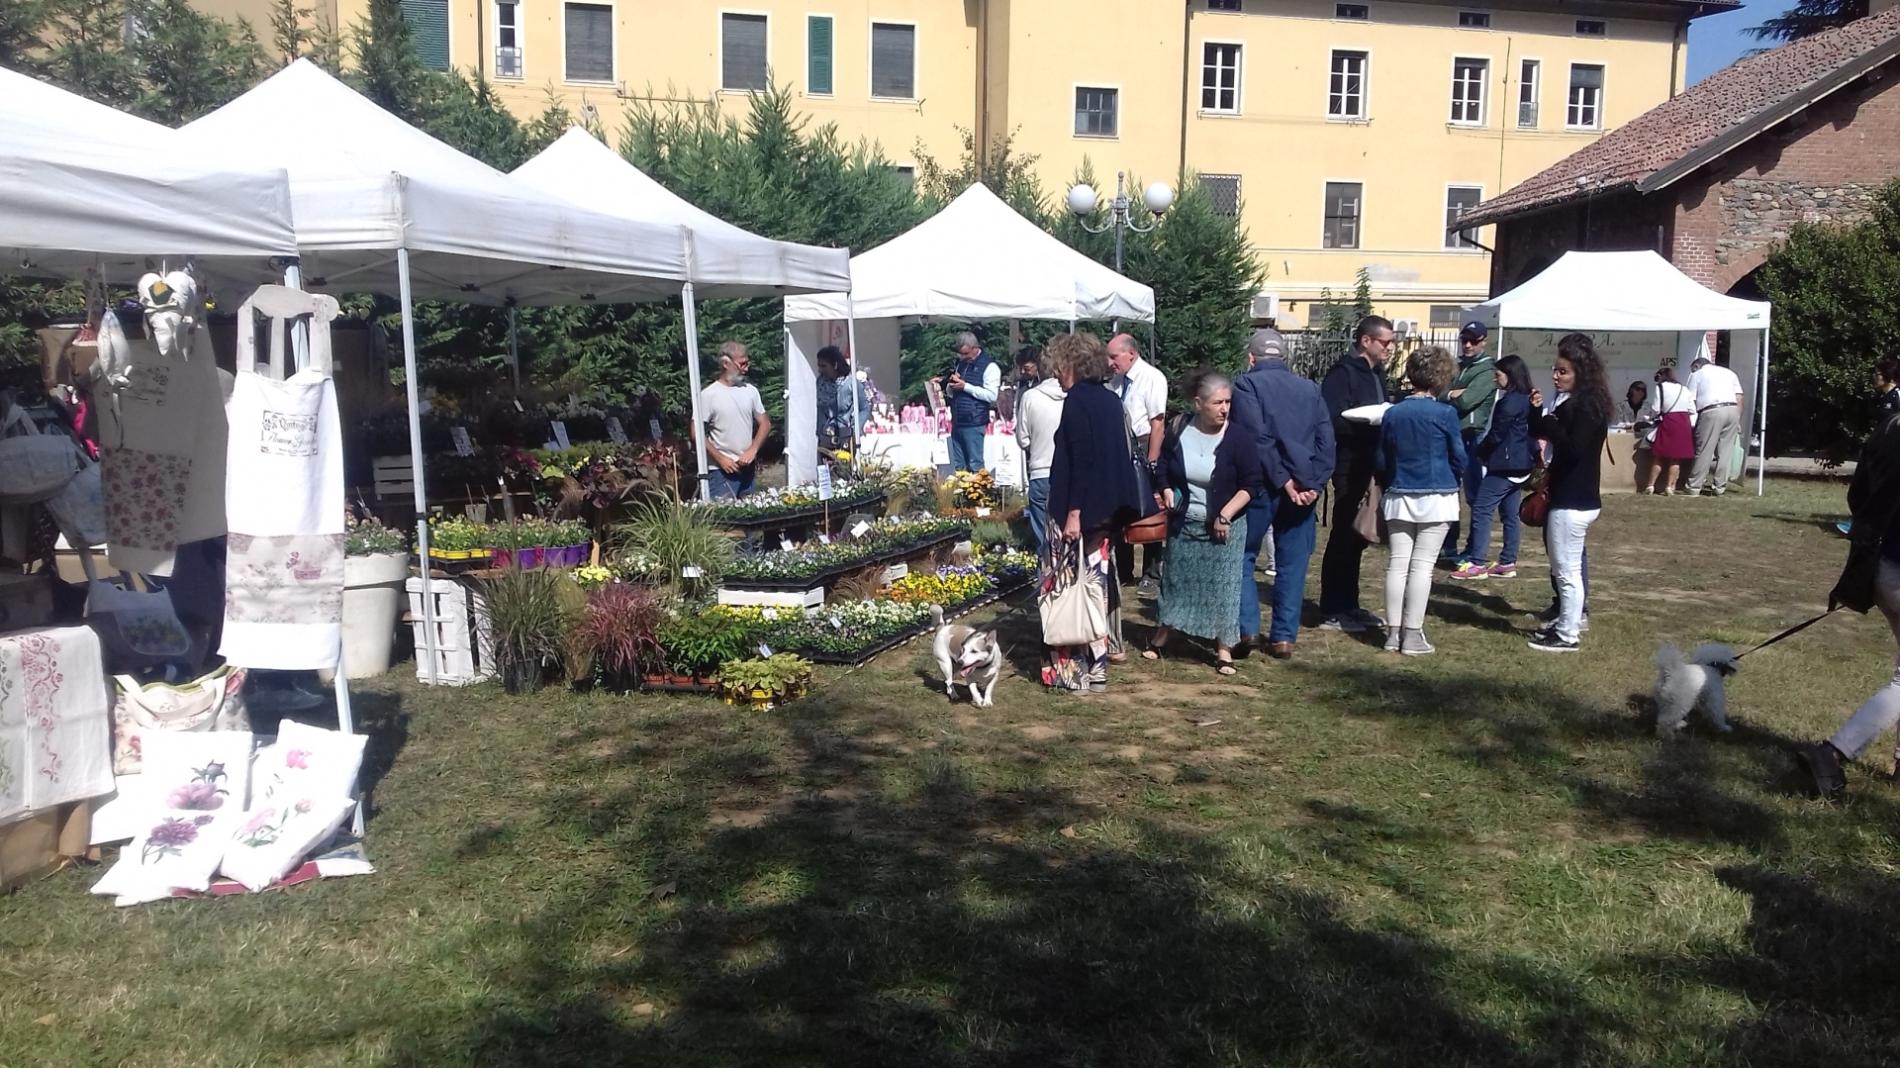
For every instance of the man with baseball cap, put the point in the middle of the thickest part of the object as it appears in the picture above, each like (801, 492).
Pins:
(1472, 392)
(1291, 427)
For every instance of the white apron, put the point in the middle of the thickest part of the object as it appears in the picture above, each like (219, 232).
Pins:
(283, 600)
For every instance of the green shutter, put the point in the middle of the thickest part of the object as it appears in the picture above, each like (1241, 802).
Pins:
(818, 55)
(429, 29)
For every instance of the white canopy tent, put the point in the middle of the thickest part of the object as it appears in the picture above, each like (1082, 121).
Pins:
(83, 186)
(722, 259)
(381, 205)
(1615, 294)
(975, 259)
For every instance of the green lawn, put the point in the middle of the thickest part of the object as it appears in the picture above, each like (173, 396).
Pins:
(1482, 857)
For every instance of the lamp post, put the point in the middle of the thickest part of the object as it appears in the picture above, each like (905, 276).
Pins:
(1082, 202)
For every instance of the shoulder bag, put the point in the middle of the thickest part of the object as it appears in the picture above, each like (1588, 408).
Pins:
(1074, 608)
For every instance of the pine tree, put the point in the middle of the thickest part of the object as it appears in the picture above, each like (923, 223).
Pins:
(1011, 175)
(85, 50)
(189, 63)
(1809, 17)
(22, 46)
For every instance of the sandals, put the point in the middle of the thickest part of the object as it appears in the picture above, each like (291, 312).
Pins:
(1224, 667)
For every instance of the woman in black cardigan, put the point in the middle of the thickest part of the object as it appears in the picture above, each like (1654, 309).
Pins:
(1208, 476)
(1092, 495)
(1576, 429)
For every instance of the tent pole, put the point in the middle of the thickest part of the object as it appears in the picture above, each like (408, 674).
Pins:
(850, 339)
(1761, 386)
(299, 330)
(413, 387)
(514, 344)
(692, 383)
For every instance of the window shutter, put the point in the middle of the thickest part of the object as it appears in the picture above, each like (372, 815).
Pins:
(742, 63)
(429, 28)
(1586, 77)
(818, 55)
(590, 43)
(893, 61)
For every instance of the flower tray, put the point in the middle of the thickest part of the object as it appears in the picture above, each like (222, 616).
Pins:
(673, 684)
(866, 654)
(801, 515)
(839, 570)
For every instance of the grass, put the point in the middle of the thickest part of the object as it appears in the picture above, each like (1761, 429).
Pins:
(1482, 857)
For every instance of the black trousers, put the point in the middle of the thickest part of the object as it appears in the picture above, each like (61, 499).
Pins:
(1339, 568)
(1125, 560)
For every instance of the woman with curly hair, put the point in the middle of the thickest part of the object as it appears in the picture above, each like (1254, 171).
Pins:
(1576, 428)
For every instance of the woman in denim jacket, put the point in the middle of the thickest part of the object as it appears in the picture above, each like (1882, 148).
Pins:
(1420, 462)
(1508, 457)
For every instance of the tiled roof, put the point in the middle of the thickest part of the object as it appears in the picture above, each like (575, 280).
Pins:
(1708, 119)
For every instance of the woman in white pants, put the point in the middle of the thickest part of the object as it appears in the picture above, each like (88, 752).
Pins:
(1420, 464)
(1870, 579)
(1576, 429)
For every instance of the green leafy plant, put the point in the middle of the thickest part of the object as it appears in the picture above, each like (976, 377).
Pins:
(687, 552)
(698, 643)
(369, 537)
(528, 613)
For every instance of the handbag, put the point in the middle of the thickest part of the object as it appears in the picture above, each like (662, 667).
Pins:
(211, 702)
(1369, 521)
(1074, 608)
(1535, 510)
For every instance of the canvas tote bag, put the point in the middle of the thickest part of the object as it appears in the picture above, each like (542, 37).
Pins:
(283, 599)
(1074, 609)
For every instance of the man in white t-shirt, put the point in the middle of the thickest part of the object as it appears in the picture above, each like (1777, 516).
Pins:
(1144, 393)
(735, 425)
(1718, 423)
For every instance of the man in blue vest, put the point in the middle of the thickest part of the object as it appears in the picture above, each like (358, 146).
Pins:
(971, 389)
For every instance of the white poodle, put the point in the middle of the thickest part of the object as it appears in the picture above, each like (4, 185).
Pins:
(1682, 686)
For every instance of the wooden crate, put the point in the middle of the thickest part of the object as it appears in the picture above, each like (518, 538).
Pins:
(465, 647)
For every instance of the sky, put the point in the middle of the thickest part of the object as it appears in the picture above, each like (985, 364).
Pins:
(1715, 41)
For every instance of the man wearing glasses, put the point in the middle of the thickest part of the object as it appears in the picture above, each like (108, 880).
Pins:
(1358, 379)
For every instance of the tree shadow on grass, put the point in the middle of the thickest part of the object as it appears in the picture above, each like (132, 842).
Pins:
(892, 912)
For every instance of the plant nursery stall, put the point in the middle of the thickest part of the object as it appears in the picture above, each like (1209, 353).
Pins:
(975, 259)
(122, 697)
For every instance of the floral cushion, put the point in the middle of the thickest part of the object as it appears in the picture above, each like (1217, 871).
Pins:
(307, 762)
(276, 836)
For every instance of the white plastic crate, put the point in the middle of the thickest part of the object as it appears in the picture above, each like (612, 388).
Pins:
(807, 601)
(464, 646)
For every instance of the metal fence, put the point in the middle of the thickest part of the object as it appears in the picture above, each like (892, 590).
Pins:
(1310, 353)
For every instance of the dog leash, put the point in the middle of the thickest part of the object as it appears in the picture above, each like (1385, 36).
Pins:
(1789, 633)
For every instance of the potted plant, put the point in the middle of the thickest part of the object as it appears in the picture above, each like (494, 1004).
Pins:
(763, 682)
(458, 540)
(375, 563)
(793, 674)
(618, 632)
(688, 553)
(697, 644)
(528, 617)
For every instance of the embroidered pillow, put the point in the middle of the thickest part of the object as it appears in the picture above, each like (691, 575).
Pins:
(307, 762)
(178, 849)
(278, 834)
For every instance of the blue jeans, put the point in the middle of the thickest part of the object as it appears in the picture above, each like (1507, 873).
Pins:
(966, 448)
(725, 487)
(1295, 531)
(1473, 478)
(1495, 492)
(1038, 513)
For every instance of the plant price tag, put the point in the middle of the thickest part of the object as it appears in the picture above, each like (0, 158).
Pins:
(785, 543)
(982, 513)
(518, 406)
(615, 432)
(653, 429)
(689, 571)
(824, 482)
(824, 539)
(463, 446)
(560, 433)
(765, 650)
(858, 531)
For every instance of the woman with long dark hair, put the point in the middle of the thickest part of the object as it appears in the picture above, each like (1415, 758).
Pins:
(1576, 429)
(1508, 455)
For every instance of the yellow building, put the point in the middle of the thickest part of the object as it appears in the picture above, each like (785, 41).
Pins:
(1348, 133)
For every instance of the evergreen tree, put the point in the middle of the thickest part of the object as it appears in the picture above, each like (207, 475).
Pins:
(22, 47)
(387, 69)
(189, 63)
(1809, 17)
(85, 50)
(1011, 175)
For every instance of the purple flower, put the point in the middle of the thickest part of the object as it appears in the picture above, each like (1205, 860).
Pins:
(203, 796)
(202, 821)
(173, 833)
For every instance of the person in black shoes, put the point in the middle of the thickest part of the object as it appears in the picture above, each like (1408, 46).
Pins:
(1355, 381)
(1575, 429)
(1869, 579)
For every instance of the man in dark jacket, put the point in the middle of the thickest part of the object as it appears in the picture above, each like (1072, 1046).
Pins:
(1358, 379)
(1293, 433)
(1472, 393)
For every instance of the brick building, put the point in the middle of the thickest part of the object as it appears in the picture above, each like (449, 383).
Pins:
(1714, 178)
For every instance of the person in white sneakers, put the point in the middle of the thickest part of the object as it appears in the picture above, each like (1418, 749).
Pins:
(1038, 414)
(1718, 423)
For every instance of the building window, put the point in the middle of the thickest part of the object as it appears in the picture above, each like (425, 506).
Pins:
(1446, 316)
(1096, 112)
(1458, 200)
(1220, 78)
(742, 52)
(1223, 193)
(1592, 28)
(893, 61)
(906, 174)
(1343, 204)
(429, 28)
(1475, 20)
(1346, 92)
(1586, 97)
(1223, 5)
(1352, 11)
(1529, 76)
(590, 43)
(1467, 91)
(507, 38)
(818, 55)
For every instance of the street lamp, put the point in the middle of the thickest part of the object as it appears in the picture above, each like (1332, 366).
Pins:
(1082, 202)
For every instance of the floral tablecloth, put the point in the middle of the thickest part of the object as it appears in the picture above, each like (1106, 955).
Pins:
(906, 448)
(55, 720)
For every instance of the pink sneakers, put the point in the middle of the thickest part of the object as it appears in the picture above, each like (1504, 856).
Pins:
(1472, 571)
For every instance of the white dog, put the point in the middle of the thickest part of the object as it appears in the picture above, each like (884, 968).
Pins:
(1682, 686)
(968, 656)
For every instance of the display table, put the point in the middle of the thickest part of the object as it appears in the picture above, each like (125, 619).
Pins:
(55, 721)
(907, 448)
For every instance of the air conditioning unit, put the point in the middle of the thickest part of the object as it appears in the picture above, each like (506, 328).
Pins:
(1405, 327)
(1265, 306)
